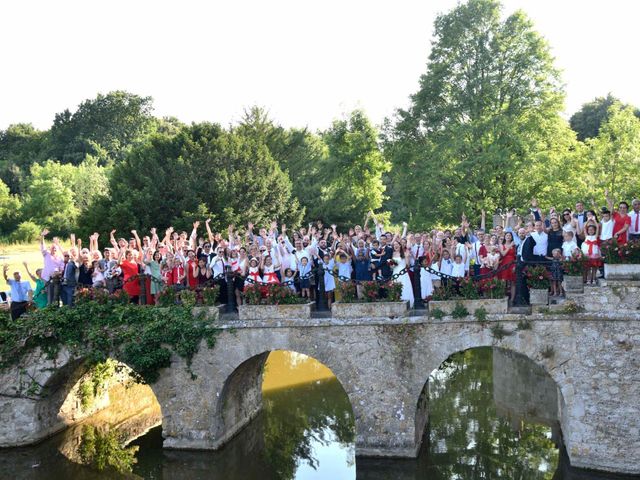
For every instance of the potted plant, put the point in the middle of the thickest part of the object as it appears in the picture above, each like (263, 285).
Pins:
(273, 302)
(573, 274)
(621, 262)
(389, 304)
(538, 281)
(487, 294)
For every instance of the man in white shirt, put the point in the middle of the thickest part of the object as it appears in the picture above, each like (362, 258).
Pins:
(541, 238)
(634, 228)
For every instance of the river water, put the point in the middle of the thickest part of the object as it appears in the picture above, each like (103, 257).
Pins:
(493, 415)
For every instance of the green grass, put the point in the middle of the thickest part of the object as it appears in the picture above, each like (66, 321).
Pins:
(15, 254)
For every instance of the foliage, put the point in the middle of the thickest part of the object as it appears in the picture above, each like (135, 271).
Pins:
(281, 295)
(142, 337)
(459, 311)
(95, 382)
(104, 450)
(244, 183)
(437, 313)
(347, 291)
(614, 253)
(107, 127)
(26, 232)
(480, 314)
(570, 307)
(493, 288)
(444, 292)
(537, 276)
(356, 166)
(167, 297)
(210, 295)
(252, 294)
(370, 290)
(612, 160)
(498, 331)
(485, 123)
(587, 121)
(524, 324)
(9, 208)
(188, 298)
(575, 266)
(468, 289)
(393, 291)
(21, 146)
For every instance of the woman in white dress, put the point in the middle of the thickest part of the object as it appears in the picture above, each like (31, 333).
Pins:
(402, 260)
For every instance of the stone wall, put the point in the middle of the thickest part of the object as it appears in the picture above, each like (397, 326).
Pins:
(383, 364)
(609, 296)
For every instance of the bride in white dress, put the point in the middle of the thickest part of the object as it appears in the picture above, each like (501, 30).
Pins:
(402, 260)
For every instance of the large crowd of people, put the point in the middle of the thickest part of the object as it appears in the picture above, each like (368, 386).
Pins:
(275, 254)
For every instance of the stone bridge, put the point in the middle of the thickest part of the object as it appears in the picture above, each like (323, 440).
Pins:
(383, 365)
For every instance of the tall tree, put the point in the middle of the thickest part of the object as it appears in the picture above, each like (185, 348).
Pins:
(586, 122)
(355, 166)
(204, 171)
(109, 124)
(614, 155)
(9, 209)
(485, 122)
(21, 146)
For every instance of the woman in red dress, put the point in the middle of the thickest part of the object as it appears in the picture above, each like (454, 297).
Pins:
(130, 270)
(508, 256)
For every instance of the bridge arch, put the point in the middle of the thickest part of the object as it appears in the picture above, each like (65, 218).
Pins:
(240, 398)
(535, 348)
(47, 395)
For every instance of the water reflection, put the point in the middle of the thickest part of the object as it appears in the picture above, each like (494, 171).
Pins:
(481, 405)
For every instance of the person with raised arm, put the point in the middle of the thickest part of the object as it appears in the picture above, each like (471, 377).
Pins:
(129, 265)
(621, 219)
(53, 263)
(21, 293)
(40, 293)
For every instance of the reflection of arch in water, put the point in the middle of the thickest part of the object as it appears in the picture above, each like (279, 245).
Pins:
(467, 427)
(241, 398)
(120, 402)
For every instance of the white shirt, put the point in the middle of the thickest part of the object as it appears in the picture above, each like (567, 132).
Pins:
(635, 217)
(446, 266)
(568, 248)
(606, 231)
(542, 241)
(458, 270)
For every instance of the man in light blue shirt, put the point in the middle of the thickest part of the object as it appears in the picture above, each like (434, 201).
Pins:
(21, 293)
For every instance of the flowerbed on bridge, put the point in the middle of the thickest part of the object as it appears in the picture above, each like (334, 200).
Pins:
(103, 326)
(488, 294)
(621, 262)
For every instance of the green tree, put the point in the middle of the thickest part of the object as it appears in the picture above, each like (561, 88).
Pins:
(204, 171)
(49, 202)
(9, 209)
(110, 124)
(586, 122)
(485, 121)
(355, 166)
(614, 155)
(300, 153)
(21, 146)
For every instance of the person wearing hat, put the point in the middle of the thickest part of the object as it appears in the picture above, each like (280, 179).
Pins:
(21, 293)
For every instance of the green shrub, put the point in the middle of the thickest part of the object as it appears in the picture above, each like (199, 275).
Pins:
(437, 313)
(459, 311)
(26, 232)
(480, 314)
(498, 331)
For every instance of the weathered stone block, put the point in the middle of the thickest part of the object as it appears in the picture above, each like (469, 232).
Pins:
(491, 305)
(622, 271)
(573, 284)
(368, 309)
(538, 296)
(274, 312)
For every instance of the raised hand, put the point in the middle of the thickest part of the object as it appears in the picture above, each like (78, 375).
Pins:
(274, 225)
(284, 228)
(113, 232)
(207, 221)
(44, 232)
(153, 230)
(196, 224)
(250, 226)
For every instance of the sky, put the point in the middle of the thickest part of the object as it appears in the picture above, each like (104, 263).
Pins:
(307, 62)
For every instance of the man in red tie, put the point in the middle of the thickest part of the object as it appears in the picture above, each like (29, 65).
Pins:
(634, 227)
(621, 221)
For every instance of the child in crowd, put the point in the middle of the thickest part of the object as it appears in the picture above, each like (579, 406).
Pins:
(569, 245)
(304, 272)
(556, 272)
